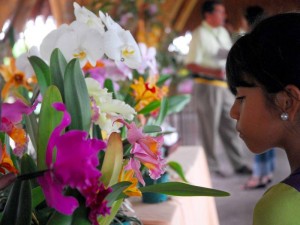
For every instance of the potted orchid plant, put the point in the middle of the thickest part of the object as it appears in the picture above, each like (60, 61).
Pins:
(90, 136)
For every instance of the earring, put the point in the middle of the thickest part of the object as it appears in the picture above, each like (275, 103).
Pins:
(284, 116)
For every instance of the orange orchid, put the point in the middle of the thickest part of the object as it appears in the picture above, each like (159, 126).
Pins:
(128, 175)
(14, 78)
(6, 163)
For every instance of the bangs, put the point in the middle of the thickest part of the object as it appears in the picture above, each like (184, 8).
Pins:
(239, 71)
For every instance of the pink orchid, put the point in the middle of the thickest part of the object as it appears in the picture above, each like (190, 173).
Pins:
(147, 150)
(11, 115)
(75, 154)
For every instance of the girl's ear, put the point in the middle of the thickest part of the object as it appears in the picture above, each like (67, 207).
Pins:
(289, 101)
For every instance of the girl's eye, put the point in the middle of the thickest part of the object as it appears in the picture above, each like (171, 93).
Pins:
(240, 98)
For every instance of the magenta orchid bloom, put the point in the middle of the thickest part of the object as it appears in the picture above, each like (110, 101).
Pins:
(75, 154)
(146, 150)
(11, 115)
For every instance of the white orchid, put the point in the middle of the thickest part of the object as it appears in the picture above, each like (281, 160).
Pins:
(75, 41)
(149, 60)
(23, 64)
(109, 109)
(90, 19)
(119, 44)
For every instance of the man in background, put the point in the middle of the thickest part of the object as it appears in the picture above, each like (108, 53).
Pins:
(206, 61)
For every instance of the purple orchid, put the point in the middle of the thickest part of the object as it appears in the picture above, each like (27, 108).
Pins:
(75, 154)
(12, 115)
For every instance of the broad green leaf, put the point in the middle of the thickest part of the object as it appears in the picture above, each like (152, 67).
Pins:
(113, 160)
(162, 79)
(163, 111)
(28, 166)
(42, 72)
(150, 107)
(32, 128)
(177, 103)
(49, 119)
(178, 169)
(37, 196)
(59, 219)
(76, 97)
(58, 65)
(80, 216)
(183, 189)
(18, 207)
(113, 212)
(117, 190)
(151, 129)
(110, 87)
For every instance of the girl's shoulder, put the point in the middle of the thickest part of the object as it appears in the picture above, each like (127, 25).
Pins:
(279, 205)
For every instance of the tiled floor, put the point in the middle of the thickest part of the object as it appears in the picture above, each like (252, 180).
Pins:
(236, 209)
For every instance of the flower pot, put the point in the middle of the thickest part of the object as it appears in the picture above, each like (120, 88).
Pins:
(150, 197)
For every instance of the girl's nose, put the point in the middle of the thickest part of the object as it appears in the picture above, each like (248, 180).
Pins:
(234, 111)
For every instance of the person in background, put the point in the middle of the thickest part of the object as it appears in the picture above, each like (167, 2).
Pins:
(263, 71)
(206, 60)
(263, 164)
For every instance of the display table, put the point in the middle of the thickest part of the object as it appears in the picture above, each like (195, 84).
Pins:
(183, 210)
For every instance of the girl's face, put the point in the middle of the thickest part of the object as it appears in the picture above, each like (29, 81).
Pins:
(257, 123)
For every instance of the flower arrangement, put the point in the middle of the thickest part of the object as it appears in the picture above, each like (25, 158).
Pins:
(93, 119)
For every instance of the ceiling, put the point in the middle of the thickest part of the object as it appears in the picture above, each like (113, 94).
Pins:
(178, 15)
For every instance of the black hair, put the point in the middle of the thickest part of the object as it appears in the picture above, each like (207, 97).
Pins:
(268, 56)
(209, 6)
(253, 14)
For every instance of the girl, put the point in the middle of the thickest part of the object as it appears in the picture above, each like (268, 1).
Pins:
(263, 71)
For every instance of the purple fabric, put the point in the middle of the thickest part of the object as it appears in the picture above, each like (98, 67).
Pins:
(293, 180)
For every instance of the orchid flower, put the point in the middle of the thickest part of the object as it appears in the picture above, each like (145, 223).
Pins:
(128, 175)
(107, 108)
(146, 92)
(146, 150)
(13, 77)
(6, 163)
(10, 117)
(23, 64)
(75, 154)
(76, 40)
(148, 59)
(119, 44)
(90, 19)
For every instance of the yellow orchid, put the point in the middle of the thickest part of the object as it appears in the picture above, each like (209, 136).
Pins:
(128, 175)
(14, 78)
(146, 92)
(5, 161)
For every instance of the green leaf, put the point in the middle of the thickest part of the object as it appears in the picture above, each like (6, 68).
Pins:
(58, 64)
(49, 119)
(80, 216)
(150, 107)
(177, 103)
(58, 218)
(28, 166)
(163, 111)
(183, 189)
(178, 169)
(37, 196)
(117, 190)
(42, 72)
(110, 87)
(162, 79)
(113, 160)
(32, 128)
(113, 212)
(151, 129)
(18, 207)
(76, 97)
